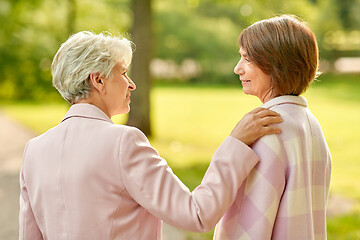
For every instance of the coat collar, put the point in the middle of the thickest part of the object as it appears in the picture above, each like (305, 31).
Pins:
(86, 110)
(298, 100)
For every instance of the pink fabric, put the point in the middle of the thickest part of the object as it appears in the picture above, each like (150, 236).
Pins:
(88, 178)
(285, 195)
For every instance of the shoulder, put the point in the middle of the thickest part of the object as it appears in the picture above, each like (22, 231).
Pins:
(126, 130)
(270, 148)
(127, 135)
(291, 113)
(42, 138)
(295, 118)
(268, 145)
(273, 163)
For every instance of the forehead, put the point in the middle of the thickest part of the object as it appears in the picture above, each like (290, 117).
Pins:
(242, 51)
(120, 65)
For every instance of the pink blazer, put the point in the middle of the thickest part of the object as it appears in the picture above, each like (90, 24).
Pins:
(88, 178)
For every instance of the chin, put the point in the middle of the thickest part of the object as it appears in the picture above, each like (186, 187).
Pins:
(246, 92)
(125, 111)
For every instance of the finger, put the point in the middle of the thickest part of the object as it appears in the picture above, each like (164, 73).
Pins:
(271, 130)
(257, 110)
(267, 112)
(271, 120)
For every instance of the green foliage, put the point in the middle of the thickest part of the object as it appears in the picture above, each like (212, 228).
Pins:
(197, 32)
(202, 30)
(207, 31)
(31, 33)
(25, 49)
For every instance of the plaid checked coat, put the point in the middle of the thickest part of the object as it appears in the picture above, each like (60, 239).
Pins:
(285, 195)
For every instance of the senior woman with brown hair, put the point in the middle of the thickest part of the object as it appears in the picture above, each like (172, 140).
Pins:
(285, 195)
(88, 178)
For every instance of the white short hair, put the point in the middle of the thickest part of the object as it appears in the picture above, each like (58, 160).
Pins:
(85, 53)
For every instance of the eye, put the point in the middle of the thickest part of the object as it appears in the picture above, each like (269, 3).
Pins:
(245, 59)
(244, 56)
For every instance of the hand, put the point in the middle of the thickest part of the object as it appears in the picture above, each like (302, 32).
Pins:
(255, 124)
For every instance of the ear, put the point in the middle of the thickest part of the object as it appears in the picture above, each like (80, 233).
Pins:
(97, 82)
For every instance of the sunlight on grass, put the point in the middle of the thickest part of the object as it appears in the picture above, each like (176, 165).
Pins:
(189, 124)
(344, 227)
(340, 123)
(38, 117)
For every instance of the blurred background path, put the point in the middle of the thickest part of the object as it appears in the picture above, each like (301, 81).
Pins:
(13, 139)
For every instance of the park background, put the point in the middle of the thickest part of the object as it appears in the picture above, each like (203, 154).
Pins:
(188, 99)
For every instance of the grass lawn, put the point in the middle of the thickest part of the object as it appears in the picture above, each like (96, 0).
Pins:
(189, 123)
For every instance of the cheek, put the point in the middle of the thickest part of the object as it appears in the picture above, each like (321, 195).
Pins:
(265, 83)
(267, 80)
(125, 85)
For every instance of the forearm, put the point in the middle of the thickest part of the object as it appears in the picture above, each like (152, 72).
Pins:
(229, 167)
(151, 182)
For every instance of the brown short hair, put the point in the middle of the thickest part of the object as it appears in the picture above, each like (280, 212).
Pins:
(285, 48)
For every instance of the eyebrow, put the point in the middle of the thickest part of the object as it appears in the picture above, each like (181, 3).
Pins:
(243, 55)
(122, 68)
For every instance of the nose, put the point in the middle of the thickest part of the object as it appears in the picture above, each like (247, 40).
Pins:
(132, 85)
(239, 68)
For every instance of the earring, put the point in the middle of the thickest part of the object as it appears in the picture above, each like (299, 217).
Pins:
(103, 91)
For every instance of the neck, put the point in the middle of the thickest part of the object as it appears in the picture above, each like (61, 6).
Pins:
(268, 96)
(97, 101)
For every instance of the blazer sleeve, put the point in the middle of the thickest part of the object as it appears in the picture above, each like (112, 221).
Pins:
(151, 182)
(28, 228)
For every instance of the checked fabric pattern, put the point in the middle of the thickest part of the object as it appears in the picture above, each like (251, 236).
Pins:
(285, 195)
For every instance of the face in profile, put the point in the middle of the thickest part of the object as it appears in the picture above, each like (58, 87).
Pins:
(254, 81)
(118, 89)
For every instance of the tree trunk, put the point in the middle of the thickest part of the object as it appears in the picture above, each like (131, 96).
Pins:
(71, 16)
(344, 13)
(139, 115)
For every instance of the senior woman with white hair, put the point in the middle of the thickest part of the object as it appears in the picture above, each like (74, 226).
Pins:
(88, 178)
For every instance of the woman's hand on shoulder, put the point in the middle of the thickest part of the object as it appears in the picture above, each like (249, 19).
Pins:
(256, 124)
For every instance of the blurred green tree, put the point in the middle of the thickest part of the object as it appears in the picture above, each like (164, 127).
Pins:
(71, 16)
(27, 41)
(204, 31)
(344, 12)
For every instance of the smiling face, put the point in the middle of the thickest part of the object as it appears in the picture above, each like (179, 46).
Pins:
(254, 81)
(118, 90)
